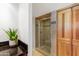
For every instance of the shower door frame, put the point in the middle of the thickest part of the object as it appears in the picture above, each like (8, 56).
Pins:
(47, 15)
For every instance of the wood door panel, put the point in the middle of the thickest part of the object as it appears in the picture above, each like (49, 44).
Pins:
(64, 24)
(60, 25)
(64, 48)
(75, 48)
(76, 31)
(76, 23)
(64, 33)
(60, 48)
(67, 24)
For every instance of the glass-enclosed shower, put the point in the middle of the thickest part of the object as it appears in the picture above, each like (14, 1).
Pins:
(43, 36)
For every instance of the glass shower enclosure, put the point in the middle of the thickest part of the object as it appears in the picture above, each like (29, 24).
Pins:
(43, 35)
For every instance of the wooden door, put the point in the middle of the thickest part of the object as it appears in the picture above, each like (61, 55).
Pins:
(64, 32)
(76, 31)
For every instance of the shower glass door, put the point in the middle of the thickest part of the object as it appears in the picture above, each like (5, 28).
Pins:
(43, 39)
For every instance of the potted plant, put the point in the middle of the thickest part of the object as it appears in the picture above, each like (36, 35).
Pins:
(13, 37)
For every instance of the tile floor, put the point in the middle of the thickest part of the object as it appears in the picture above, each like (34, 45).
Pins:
(36, 53)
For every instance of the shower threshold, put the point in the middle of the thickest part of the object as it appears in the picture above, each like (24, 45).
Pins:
(43, 51)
